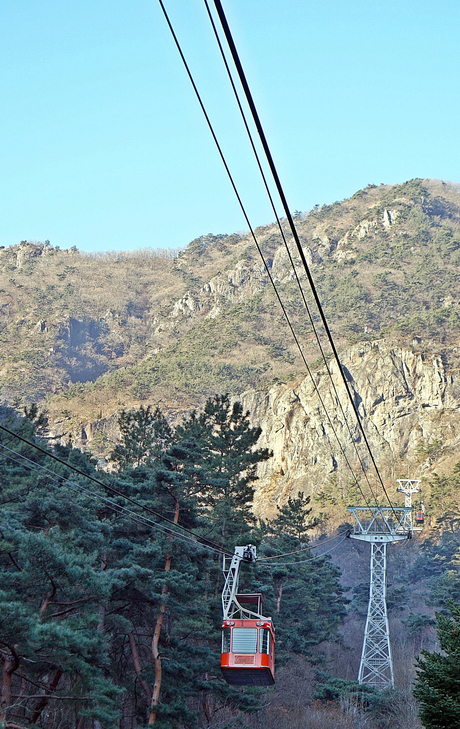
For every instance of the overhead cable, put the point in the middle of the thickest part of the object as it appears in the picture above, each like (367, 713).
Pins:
(279, 187)
(303, 549)
(113, 506)
(103, 485)
(294, 268)
(240, 202)
(310, 559)
(144, 521)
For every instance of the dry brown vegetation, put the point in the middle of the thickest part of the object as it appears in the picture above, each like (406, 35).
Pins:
(85, 335)
(89, 334)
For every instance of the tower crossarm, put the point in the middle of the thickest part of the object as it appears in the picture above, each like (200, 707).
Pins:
(380, 523)
(409, 486)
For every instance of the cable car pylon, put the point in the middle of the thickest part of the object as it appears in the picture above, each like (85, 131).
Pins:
(379, 526)
(248, 638)
(409, 486)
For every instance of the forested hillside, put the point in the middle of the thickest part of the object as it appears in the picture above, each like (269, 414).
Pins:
(113, 364)
(229, 378)
(110, 611)
(91, 334)
(110, 614)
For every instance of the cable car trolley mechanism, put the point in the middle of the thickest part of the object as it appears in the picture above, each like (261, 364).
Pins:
(248, 638)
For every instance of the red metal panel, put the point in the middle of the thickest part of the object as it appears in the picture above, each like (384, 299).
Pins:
(265, 659)
(249, 669)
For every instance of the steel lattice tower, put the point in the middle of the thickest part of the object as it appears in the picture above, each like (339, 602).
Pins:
(376, 666)
(379, 526)
(409, 486)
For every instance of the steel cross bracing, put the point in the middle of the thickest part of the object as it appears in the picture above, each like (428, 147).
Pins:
(409, 486)
(231, 608)
(379, 526)
(376, 666)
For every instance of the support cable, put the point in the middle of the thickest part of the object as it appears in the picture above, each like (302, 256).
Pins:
(113, 506)
(111, 489)
(303, 549)
(257, 122)
(294, 268)
(240, 202)
(310, 559)
(144, 521)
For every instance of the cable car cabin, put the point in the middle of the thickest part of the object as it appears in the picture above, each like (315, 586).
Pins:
(248, 648)
(419, 518)
(248, 652)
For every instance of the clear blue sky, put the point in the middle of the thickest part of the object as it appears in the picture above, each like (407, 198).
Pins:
(103, 145)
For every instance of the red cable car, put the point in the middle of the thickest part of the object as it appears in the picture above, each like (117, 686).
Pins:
(419, 518)
(248, 638)
(420, 515)
(248, 649)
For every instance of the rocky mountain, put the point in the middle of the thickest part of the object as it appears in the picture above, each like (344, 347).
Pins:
(86, 335)
(408, 401)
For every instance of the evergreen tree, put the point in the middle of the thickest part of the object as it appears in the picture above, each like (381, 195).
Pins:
(437, 685)
(226, 467)
(303, 596)
(144, 434)
(106, 617)
(52, 584)
(156, 622)
(169, 610)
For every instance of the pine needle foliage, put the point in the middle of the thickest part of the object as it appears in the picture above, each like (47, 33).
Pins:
(106, 621)
(437, 686)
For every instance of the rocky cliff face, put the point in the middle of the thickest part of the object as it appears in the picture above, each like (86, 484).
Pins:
(85, 336)
(409, 403)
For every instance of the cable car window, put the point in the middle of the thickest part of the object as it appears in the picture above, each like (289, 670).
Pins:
(264, 645)
(226, 633)
(244, 640)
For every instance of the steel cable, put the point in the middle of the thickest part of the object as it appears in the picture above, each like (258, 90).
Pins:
(117, 508)
(240, 202)
(266, 148)
(109, 488)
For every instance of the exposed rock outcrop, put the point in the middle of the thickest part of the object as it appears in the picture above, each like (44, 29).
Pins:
(406, 401)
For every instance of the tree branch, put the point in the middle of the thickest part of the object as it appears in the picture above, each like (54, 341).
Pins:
(46, 697)
(10, 555)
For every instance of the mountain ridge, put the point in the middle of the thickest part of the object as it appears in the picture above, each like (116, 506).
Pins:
(85, 336)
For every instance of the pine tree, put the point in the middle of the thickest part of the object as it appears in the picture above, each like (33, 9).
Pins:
(159, 611)
(52, 585)
(170, 599)
(92, 602)
(226, 467)
(144, 434)
(303, 596)
(437, 685)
